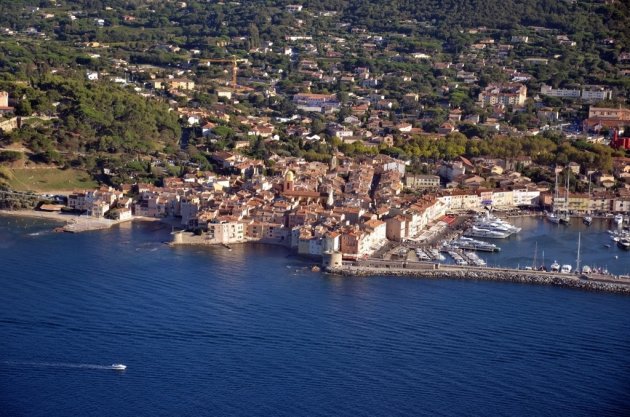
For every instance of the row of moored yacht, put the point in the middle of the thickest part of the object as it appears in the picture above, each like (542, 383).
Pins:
(491, 227)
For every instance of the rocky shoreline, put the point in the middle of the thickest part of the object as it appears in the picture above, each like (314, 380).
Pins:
(514, 276)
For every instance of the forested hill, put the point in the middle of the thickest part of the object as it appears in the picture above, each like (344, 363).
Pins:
(202, 18)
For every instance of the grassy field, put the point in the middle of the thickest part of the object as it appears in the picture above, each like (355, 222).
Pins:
(50, 179)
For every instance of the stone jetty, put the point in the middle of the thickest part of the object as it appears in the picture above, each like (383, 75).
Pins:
(437, 271)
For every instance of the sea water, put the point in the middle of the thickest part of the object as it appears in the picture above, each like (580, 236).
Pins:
(253, 332)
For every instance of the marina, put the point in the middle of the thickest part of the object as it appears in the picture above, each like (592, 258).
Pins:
(534, 243)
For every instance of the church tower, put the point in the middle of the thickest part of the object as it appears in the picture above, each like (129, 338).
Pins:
(333, 163)
(288, 181)
(330, 201)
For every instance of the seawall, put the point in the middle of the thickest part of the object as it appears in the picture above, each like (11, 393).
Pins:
(600, 283)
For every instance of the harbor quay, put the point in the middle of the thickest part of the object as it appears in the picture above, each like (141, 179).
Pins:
(333, 264)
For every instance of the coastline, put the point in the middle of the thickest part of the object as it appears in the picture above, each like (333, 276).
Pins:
(603, 283)
(74, 223)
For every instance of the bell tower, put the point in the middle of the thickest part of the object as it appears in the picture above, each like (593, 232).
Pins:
(288, 181)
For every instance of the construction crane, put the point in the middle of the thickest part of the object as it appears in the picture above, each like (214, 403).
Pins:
(234, 61)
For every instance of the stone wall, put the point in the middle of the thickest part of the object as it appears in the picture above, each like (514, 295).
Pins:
(506, 275)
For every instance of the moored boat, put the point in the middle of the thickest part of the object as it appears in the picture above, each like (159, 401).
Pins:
(618, 219)
(553, 218)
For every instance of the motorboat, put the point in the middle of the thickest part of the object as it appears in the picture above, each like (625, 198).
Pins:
(487, 233)
(566, 269)
(494, 223)
(618, 219)
(472, 244)
(119, 366)
(624, 243)
(587, 220)
(586, 269)
(555, 266)
(551, 217)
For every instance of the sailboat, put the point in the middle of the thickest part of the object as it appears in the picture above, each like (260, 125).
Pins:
(577, 260)
(565, 216)
(553, 216)
(587, 219)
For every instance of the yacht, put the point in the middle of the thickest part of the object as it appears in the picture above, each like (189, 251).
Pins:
(553, 218)
(618, 219)
(624, 243)
(487, 233)
(435, 254)
(472, 244)
(566, 269)
(494, 223)
(555, 266)
(119, 367)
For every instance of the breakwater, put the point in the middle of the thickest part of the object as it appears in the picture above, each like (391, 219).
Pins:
(437, 271)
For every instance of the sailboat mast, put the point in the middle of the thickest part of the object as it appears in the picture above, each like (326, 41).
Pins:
(555, 198)
(589, 194)
(577, 261)
(535, 253)
(566, 197)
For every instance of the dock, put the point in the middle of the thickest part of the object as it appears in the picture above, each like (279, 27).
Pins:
(431, 270)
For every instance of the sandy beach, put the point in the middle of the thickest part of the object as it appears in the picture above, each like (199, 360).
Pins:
(75, 223)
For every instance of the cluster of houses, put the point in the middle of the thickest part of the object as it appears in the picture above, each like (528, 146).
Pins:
(349, 205)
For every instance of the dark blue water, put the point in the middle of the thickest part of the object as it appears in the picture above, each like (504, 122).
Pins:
(254, 332)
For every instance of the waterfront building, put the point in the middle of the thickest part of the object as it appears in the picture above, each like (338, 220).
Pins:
(526, 197)
(225, 232)
(396, 228)
(353, 242)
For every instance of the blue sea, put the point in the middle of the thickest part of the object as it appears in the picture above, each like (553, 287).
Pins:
(253, 332)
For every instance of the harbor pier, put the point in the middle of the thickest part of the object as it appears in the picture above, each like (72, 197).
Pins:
(429, 270)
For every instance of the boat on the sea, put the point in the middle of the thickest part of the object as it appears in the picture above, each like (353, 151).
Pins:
(564, 217)
(566, 269)
(472, 244)
(555, 266)
(586, 269)
(487, 233)
(494, 223)
(119, 366)
(552, 218)
(624, 243)
(587, 219)
(618, 219)
(435, 254)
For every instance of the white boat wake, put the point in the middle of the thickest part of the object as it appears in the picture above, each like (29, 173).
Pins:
(61, 365)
